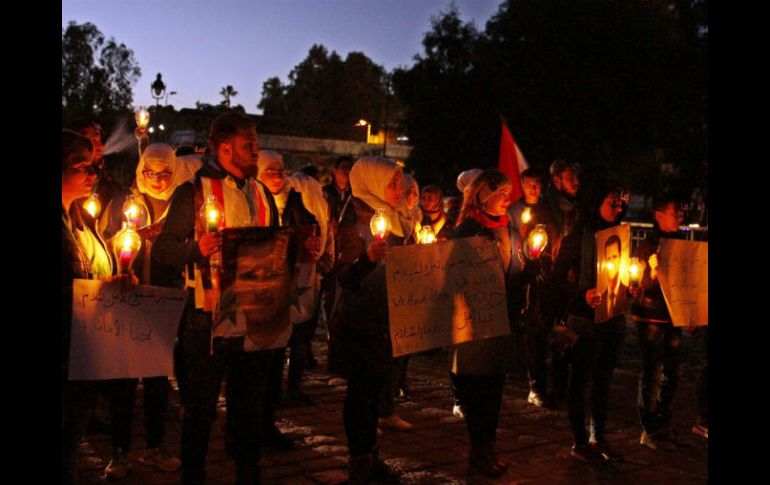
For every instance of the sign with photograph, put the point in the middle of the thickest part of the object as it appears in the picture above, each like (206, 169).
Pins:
(613, 248)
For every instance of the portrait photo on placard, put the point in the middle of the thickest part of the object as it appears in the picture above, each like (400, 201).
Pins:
(613, 249)
(257, 265)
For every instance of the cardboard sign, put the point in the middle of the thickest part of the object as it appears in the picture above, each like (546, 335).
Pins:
(445, 293)
(123, 334)
(683, 272)
(613, 248)
(257, 286)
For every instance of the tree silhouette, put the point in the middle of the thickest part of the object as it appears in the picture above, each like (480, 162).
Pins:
(97, 75)
(227, 92)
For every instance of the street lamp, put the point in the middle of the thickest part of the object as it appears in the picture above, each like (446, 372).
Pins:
(158, 89)
(368, 125)
(167, 95)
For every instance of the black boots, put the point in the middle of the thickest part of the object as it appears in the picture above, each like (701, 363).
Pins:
(484, 459)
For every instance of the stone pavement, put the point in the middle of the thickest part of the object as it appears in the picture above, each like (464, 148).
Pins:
(536, 441)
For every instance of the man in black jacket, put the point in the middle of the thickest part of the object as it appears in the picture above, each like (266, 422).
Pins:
(206, 353)
(659, 340)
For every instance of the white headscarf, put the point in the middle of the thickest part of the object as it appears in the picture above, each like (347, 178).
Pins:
(410, 182)
(368, 178)
(265, 159)
(181, 170)
(313, 199)
(465, 179)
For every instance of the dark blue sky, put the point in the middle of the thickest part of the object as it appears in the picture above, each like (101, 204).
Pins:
(202, 45)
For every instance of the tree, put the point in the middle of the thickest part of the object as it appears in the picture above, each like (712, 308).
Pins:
(325, 96)
(618, 86)
(96, 75)
(227, 92)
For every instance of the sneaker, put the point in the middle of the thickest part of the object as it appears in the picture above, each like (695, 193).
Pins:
(395, 422)
(648, 441)
(118, 466)
(457, 411)
(535, 399)
(606, 451)
(160, 458)
(701, 430)
(587, 454)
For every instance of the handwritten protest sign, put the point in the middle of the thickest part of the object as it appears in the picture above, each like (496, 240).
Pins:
(121, 334)
(445, 293)
(683, 272)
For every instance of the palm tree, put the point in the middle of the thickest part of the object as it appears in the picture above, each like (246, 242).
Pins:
(228, 92)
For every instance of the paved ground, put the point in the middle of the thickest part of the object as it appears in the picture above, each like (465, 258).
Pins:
(536, 441)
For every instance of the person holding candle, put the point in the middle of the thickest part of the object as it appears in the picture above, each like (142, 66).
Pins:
(78, 397)
(526, 214)
(478, 368)
(659, 341)
(207, 353)
(432, 205)
(158, 173)
(300, 203)
(595, 352)
(359, 341)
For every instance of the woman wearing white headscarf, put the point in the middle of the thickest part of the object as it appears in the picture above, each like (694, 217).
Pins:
(158, 173)
(359, 340)
(300, 202)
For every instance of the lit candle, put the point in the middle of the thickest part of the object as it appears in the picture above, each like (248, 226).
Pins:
(134, 211)
(526, 215)
(427, 236)
(379, 225)
(537, 241)
(211, 213)
(92, 205)
(126, 244)
(142, 118)
(635, 271)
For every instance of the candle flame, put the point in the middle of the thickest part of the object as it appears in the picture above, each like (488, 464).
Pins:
(91, 208)
(142, 118)
(213, 215)
(537, 241)
(526, 215)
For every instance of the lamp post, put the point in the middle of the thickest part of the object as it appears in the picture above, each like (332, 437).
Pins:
(368, 125)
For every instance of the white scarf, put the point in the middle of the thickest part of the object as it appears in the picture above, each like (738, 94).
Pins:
(368, 178)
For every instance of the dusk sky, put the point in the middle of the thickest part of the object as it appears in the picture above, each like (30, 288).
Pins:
(202, 45)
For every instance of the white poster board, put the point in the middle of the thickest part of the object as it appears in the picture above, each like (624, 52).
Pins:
(123, 334)
(683, 272)
(445, 293)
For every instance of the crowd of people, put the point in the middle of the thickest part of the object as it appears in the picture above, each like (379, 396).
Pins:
(551, 300)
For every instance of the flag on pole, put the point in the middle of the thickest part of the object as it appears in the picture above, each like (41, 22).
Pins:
(511, 161)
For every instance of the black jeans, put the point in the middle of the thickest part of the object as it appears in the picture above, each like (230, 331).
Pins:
(78, 401)
(300, 351)
(389, 390)
(272, 393)
(702, 384)
(661, 355)
(480, 397)
(595, 354)
(246, 376)
(361, 412)
(122, 394)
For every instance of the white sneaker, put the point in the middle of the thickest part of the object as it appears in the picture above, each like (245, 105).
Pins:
(118, 466)
(457, 411)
